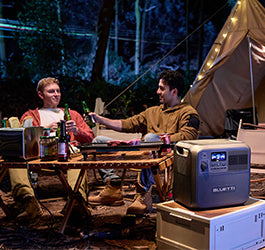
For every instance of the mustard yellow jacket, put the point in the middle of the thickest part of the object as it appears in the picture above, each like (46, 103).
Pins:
(181, 122)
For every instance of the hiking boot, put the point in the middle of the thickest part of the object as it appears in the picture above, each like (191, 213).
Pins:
(142, 202)
(32, 209)
(110, 195)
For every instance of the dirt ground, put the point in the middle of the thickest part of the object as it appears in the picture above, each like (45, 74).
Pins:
(108, 227)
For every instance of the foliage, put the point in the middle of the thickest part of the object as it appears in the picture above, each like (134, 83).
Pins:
(57, 38)
(40, 38)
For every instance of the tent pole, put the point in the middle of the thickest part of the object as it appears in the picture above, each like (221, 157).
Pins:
(251, 80)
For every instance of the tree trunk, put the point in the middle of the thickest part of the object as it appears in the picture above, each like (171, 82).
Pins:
(103, 28)
(200, 52)
(2, 42)
(116, 26)
(137, 40)
(106, 64)
(143, 29)
(187, 40)
(60, 31)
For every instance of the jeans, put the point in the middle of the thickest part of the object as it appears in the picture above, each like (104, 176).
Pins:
(146, 175)
(107, 174)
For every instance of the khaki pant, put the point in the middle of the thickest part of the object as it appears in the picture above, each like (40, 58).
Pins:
(20, 184)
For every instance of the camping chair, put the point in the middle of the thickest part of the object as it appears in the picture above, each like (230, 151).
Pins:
(232, 118)
(254, 138)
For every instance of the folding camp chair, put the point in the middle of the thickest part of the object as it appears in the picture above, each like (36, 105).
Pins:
(232, 118)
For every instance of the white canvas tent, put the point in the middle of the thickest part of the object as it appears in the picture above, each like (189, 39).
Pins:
(233, 73)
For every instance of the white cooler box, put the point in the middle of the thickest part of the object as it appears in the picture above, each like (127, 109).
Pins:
(238, 227)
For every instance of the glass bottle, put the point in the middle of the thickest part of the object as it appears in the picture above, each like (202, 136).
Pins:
(89, 120)
(67, 115)
(58, 130)
(62, 144)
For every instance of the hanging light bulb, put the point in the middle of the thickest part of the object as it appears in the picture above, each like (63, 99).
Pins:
(199, 77)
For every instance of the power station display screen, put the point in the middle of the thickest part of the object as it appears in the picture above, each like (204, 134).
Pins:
(218, 156)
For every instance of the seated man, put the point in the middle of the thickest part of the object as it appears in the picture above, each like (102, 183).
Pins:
(48, 116)
(177, 119)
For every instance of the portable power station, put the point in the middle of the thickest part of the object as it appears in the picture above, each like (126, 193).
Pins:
(210, 173)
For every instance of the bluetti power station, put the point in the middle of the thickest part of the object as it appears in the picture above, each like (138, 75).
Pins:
(211, 173)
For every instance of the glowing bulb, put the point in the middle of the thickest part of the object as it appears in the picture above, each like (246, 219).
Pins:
(233, 19)
(199, 77)
(216, 50)
(224, 35)
(239, 2)
(208, 64)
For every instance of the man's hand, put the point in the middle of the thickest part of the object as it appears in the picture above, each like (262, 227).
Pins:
(71, 127)
(53, 127)
(110, 123)
(96, 117)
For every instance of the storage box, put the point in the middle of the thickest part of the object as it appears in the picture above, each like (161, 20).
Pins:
(238, 227)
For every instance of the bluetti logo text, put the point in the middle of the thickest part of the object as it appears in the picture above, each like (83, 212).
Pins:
(224, 189)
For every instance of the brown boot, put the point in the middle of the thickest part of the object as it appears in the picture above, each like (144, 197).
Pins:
(110, 195)
(32, 209)
(142, 201)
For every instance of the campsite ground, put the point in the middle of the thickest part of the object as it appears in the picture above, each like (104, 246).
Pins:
(135, 234)
(108, 227)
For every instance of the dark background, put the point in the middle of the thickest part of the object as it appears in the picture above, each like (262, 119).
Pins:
(91, 48)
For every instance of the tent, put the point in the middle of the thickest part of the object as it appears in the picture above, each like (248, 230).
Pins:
(233, 73)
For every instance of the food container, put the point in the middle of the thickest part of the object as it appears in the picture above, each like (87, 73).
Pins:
(48, 148)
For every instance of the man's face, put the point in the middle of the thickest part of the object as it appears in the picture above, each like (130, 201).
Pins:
(51, 95)
(166, 96)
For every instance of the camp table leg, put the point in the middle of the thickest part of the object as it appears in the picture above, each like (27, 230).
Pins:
(74, 195)
(155, 171)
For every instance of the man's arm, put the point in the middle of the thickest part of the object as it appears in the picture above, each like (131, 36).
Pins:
(110, 123)
(82, 133)
(188, 128)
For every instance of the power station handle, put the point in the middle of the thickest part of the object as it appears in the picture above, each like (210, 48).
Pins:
(182, 151)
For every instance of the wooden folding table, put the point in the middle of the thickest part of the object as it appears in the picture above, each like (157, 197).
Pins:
(115, 160)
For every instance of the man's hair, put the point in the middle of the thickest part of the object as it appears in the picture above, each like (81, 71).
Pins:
(45, 82)
(173, 79)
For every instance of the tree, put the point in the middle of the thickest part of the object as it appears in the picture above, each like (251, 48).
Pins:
(146, 3)
(2, 44)
(103, 28)
(137, 39)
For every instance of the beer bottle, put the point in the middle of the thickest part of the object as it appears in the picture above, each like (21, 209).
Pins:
(58, 131)
(62, 144)
(67, 115)
(89, 120)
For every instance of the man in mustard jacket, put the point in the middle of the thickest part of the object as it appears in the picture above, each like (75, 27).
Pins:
(179, 120)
